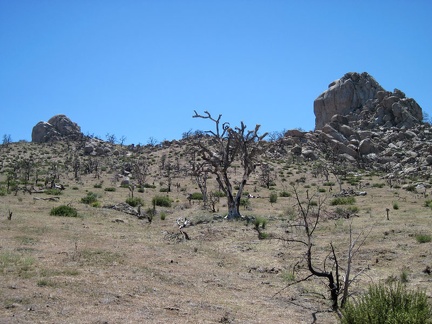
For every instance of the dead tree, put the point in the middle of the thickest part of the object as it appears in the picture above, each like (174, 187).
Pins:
(266, 177)
(225, 146)
(199, 172)
(302, 232)
(332, 161)
(168, 174)
(140, 170)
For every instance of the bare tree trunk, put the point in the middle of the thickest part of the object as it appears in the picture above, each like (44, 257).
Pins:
(233, 207)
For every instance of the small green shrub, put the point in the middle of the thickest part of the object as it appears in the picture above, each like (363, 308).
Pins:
(245, 202)
(321, 190)
(89, 199)
(388, 304)
(284, 194)
(343, 201)
(53, 191)
(423, 238)
(263, 235)
(163, 190)
(110, 189)
(410, 188)
(395, 206)
(3, 191)
(162, 201)
(46, 283)
(288, 276)
(353, 181)
(404, 276)
(378, 185)
(135, 201)
(273, 197)
(98, 185)
(353, 209)
(96, 204)
(64, 210)
(163, 215)
(219, 194)
(196, 196)
(146, 185)
(260, 221)
(428, 203)
(328, 184)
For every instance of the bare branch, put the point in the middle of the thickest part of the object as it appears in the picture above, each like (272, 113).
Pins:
(293, 283)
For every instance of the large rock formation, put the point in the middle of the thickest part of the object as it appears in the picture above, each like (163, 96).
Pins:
(361, 99)
(358, 123)
(57, 128)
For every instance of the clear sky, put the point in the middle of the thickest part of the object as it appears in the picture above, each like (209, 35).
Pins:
(139, 68)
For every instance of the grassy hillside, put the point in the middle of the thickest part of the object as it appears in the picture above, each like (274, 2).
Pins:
(107, 266)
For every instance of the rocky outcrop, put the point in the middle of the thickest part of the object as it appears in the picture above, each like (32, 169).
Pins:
(57, 128)
(97, 147)
(365, 104)
(360, 123)
(343, 96)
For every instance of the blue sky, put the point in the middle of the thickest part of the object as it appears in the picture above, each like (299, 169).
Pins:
(140, 68)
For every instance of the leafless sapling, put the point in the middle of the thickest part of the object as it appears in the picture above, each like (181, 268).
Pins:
(302, 231)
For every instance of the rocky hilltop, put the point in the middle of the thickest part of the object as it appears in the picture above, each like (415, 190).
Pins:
(359, 122)
(365, 104)
(59, 127)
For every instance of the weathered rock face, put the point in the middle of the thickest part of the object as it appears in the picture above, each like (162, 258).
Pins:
(348, 93)
(57, 128)
(365, 104)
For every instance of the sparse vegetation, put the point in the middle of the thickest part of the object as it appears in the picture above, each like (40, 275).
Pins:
(3, 191)
(18, 264)
(343, 201)
(135, 201)
(54, 192)
(65, 211)
(273, 198)
(90, 199)
(162, 201)
(260, 222)
(284, 194)
(423, 238)
(58, 259)
(196, 196)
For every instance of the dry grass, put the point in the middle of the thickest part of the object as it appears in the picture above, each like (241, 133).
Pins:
(110, 267)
